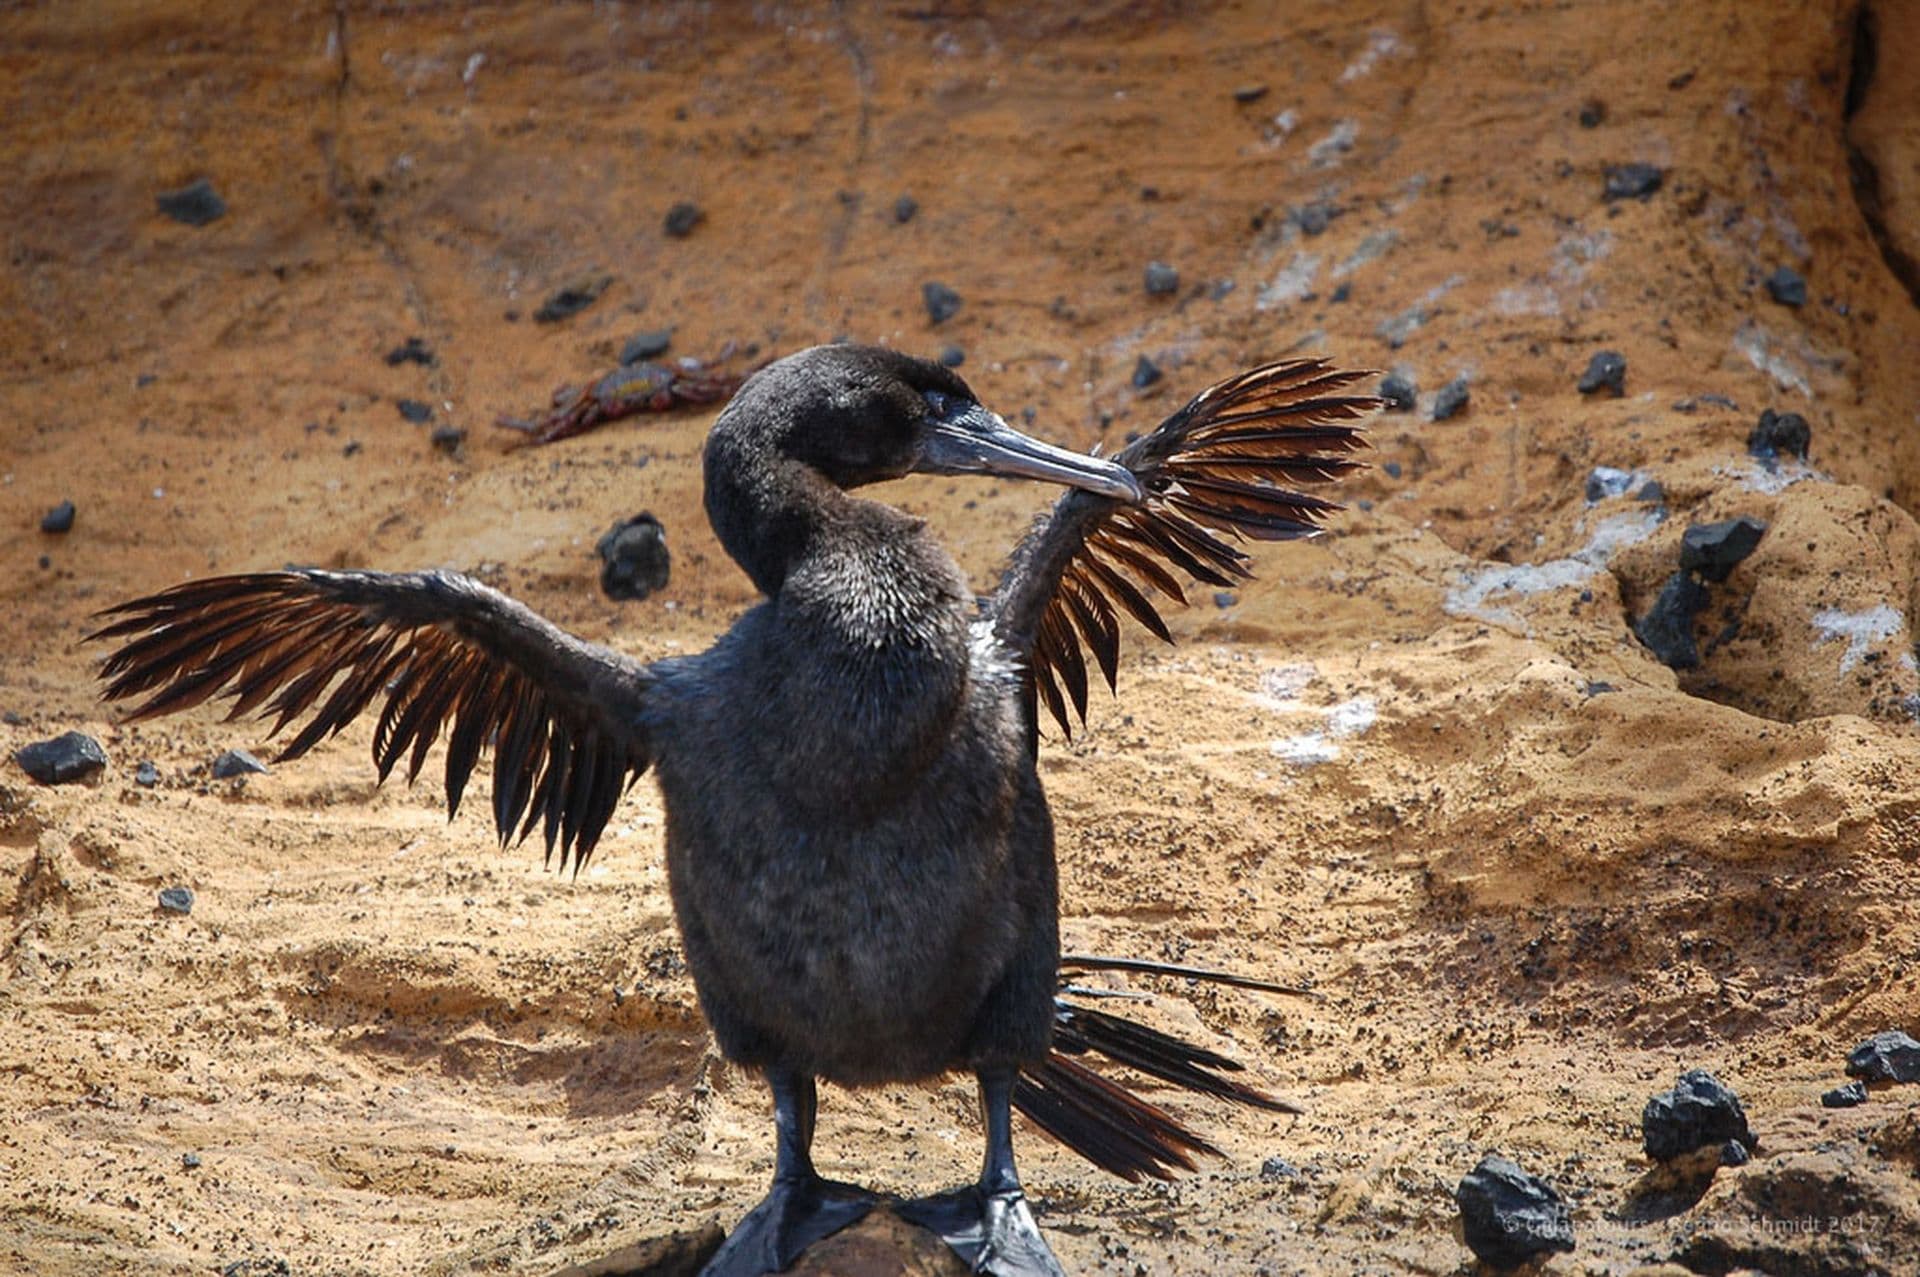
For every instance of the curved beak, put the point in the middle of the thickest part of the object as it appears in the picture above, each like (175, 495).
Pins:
(967, 439)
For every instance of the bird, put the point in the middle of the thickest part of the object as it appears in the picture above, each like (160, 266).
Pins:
(859, 851)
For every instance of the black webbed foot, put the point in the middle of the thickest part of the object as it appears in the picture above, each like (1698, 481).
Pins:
(797, 1213)
(993, 1232)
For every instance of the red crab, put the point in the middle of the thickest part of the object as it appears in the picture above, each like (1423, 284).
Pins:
(627, 390)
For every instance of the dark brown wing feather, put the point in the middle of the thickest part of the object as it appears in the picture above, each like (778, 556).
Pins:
(1215, 472)
(447, 655)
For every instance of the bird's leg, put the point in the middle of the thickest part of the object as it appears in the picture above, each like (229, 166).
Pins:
(801, 1208)
(988, 1224)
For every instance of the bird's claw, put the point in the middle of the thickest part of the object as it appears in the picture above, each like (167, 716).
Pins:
(793, 1216)
(993, 1232)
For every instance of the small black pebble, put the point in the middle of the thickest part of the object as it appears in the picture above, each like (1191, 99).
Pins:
(352, 448)
(1780, 432)
(195, 204)
(1787, 287)
(1734, 1153)
(904, 208)
(146, 775)
(62, 760)
(1278, 1168)
(413, 410)
(176, 899)
(1651, 492)
(1399, 392)
(1607, 370)
(1508, 1216)
(1249, 93)
(1145, 373)
(1314, 218)
(58, 519)
(682, 218)
(1714, 549)
(1593, 113)
(646, 346)
(570, 301)
(144, 380)
(633, 558)
(952, 356)
(413, 351)
(1162, 279)
(46, 561)
(1341, 293)
(190, 1160)
(1667, 628)
(1224, 598)
(1698, 1112)
(1892, 1056)
(1632, 182)
(1391, 469)
(1451, 399)
(1599, 687)
(237, 762)
(1845, 1097)
(448, 438)
(942, 303)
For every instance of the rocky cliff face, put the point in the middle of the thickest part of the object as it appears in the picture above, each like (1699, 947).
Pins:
(1548, 789)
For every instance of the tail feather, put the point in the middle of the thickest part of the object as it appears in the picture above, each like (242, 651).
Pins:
(1101, 1119)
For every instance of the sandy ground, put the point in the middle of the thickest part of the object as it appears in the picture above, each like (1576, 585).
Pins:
(1423, 765)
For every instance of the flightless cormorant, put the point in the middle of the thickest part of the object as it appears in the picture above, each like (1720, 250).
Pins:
(860, 856)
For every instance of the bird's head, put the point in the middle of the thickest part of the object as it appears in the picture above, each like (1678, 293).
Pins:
(863, 414)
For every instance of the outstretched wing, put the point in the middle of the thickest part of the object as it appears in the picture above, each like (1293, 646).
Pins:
(1216, 471)
(444, 651)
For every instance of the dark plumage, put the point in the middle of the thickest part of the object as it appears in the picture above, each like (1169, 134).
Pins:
(860, 855)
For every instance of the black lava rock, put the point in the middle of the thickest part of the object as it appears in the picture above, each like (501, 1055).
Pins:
(58, 519)
(1734, 1153)
(1886, 1057)
(1607, 370)
(1845, 1097)
(62, 760)
(1508, 1216)
(1632, 182)
(1391, 469)
(1651, 492)
(646, 346)
(1593, 113)
(412, 351)
(1145, 373)
(1162, 279)
(1224, 599)
(1667, 628)
(415, 411)
(1780, 432)
(952, 356)
(633, 558)
(1278, 1168)
(1314, 218)
(237, 762)
(1713, 549)
(1451, 399)
(1787, 286)
(682, 218)
(177, 899)
(190, 1160)
(448, 438)
(146, 775)
(1605, 482)
(1696, 1113)
(195, 204)
(1399, 392)
(1249, 93)
(571, 300)
(904, 208)
(1341, 293)
(942, 303)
